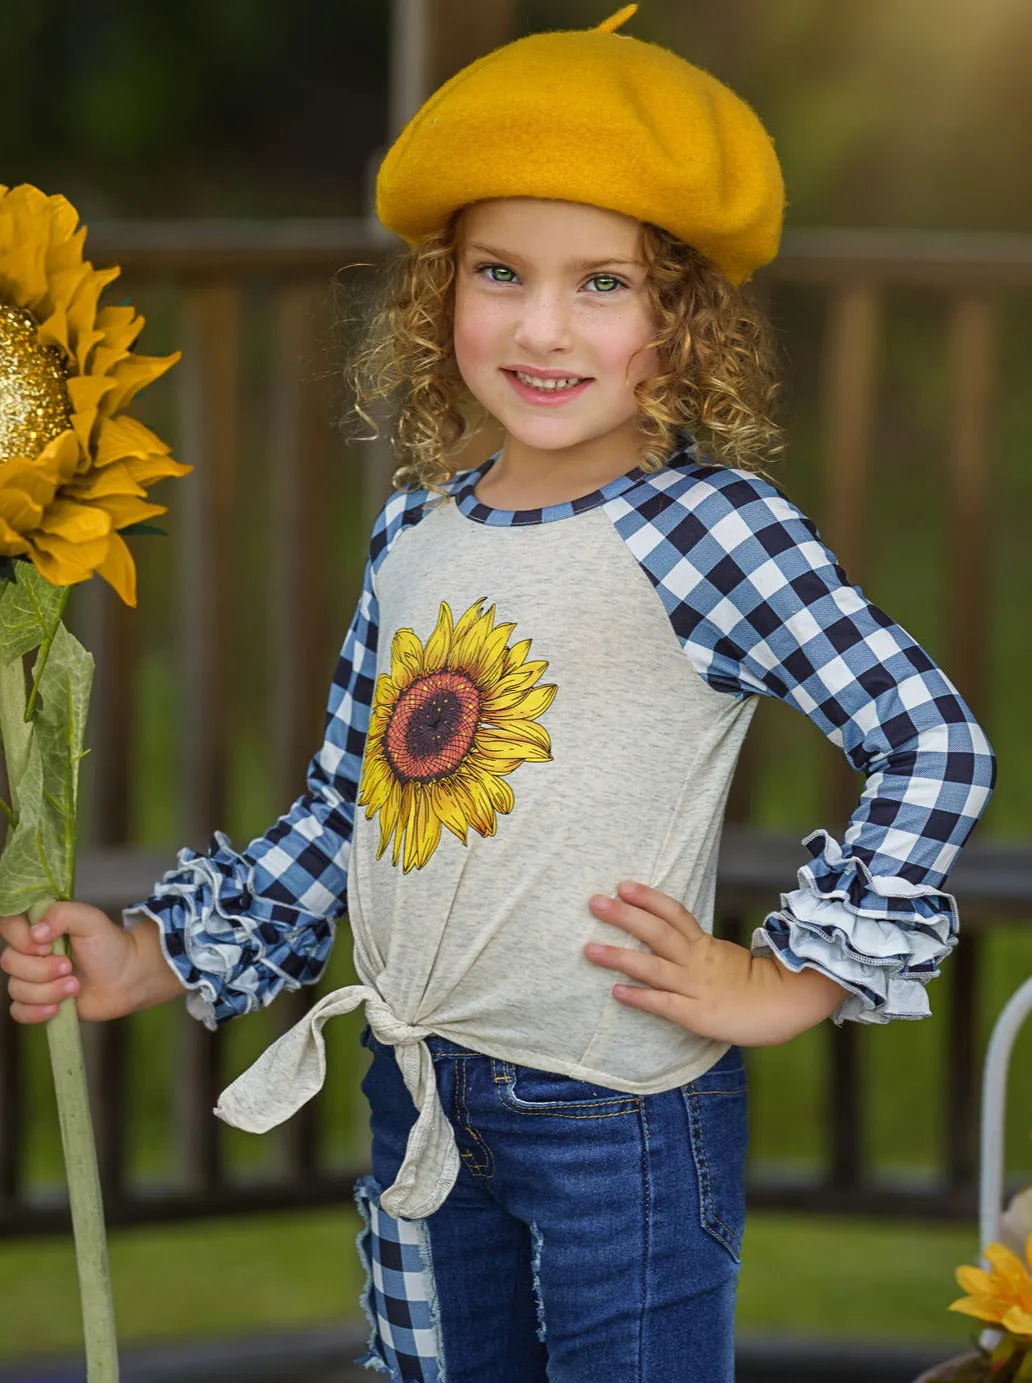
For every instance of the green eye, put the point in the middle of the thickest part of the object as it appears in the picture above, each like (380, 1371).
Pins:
(497, 268)
(610, 279)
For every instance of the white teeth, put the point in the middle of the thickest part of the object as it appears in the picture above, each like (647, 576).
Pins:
(547, 385)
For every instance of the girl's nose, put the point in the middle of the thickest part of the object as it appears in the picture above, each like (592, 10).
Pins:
(543, 324)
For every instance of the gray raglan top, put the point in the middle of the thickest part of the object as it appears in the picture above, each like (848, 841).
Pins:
(531, 706)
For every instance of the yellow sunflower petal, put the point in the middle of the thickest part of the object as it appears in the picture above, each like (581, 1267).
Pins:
(974, 1306)
(63, 563)
(1006, 1264)
(86, 393)
(62, 286)
(376, 787)
(121, 326)
(519, 679)
(975, 1281)
(468, 620)
(406, 658)
(516, 654)
(118, 568)
(386, 692)
(524, 732)
(392, 812)
(501, 794)
(122, 437)
(57, 460)
(124, 510)
(23, 279)
(447, 803)
(405, 811)
(76, 523)
(498, 744)
(115, 479)
(1018, 1321)
(83, 332)
(133, 374)
(19, 511)
(483, 819)
(536, 701)
(146, 470)
(12, 542)
(468, 644)
(54, 331)
(425, 831)
(439, 642)
(489, 655)
(27, 487)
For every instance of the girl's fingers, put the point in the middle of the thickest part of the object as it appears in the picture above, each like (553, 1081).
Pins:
(677, 1007)
(658, 934)
(26, 1013)
(651, 900)
(15, 932)
(23, 992)
(641, 965)
(36, 968)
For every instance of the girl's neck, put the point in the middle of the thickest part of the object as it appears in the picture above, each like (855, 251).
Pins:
(525, 478)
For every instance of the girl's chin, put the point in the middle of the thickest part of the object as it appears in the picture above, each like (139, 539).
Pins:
(555, 439)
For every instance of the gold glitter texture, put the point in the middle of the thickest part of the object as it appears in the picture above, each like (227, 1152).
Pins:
(74, 468)
(34, 403)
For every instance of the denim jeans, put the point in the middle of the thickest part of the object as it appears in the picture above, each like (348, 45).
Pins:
(591, 1234)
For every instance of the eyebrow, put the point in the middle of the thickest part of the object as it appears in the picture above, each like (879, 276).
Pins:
(573, 264)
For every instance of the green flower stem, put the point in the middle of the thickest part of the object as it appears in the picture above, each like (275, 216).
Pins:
(69, 1072)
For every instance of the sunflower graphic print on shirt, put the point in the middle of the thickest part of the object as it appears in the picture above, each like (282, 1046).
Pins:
(449, 723)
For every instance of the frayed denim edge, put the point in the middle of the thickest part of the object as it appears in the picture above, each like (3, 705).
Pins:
(365, 1189)
(537, 1246)
(430, 1282)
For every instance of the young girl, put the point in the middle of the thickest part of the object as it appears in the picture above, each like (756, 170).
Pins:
(530, 736)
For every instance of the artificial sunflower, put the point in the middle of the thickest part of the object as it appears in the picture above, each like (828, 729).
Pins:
(1001, 1294)
(449, 722)
(73, 469)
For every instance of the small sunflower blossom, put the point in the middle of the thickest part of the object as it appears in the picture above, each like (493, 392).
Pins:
(74, 470)
(450, 722)
(1000, 1294)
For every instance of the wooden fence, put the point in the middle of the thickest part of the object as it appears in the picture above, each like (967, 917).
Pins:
(209, 287)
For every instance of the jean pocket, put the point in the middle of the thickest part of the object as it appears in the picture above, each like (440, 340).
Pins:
(718, 1125)
(527, 1090)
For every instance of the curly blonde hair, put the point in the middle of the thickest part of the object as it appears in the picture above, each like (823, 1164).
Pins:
(718, 376)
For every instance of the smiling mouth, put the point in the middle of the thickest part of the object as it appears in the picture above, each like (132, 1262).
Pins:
(549, 386)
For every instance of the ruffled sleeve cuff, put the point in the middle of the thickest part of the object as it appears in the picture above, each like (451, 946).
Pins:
(232, 949)
(879, 936)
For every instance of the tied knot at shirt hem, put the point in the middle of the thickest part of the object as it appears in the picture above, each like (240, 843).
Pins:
(293, 1069)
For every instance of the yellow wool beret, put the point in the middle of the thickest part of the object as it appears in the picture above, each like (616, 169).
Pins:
(592, 116)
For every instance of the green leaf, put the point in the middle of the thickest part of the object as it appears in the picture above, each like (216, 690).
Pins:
(35, 848)
(29, 609)
(6, 569)
(60, 726)
(132, 529)
(39, 856)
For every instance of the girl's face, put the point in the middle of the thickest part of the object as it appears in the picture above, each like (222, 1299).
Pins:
(557, 291)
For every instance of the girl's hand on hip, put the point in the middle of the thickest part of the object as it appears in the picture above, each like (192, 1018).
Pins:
(714, 988)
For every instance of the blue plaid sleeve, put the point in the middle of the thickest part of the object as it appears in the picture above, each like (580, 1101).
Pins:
(761, 606)
(239, 927)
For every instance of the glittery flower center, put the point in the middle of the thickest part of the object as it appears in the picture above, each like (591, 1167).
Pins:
(432, 726)
(34, 403)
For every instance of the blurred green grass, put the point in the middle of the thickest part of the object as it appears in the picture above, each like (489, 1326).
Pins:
(800, 1274)
(830, 1278)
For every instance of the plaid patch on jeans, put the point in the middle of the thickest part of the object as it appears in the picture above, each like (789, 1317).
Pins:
(398, 1298)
